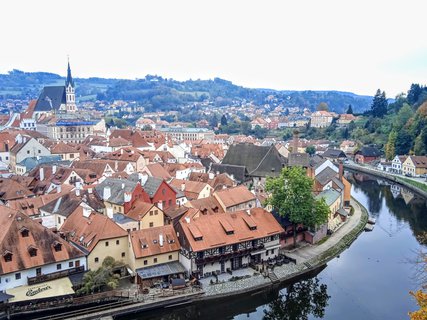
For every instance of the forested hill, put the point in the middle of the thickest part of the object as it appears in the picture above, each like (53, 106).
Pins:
(157, 93)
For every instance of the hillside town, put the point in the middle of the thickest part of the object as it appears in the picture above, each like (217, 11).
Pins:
(172, 205)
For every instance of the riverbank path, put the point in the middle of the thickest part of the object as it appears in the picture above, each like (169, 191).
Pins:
(308, 252)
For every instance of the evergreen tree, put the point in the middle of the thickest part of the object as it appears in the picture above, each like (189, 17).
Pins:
(403, 142)
(379, 104)
(224, 121)
(350, 109)
(414, 93)
(213, 122)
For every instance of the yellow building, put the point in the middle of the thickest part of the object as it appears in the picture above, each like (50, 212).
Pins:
(155, 249)
(147, 215)
(415, 166)
(97, 234)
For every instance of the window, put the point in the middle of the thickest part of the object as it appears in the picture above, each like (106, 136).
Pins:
(123, 254)
(17, 276)
(70, 264)
(8, 257)
(28, 151)
(151, 224)
(40, 151)
(24, 232)
(59, 219)
(151, 213)
(266, 253)
(57, 246)
(170, 202)
(58, 266)
(38, 271)
(96, 260)
(106, 243)
(32, 251)
(155, 260)
(170, 257)
(117, 242)
(145, 262)
(156, 212)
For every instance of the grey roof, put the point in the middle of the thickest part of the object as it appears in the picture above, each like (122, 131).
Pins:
(32, 162)
(50, 98)
(118, 188)
(338, 182)
(342, 212)
(334, 154)
(161, 270)
(325, 176)
(152, 185)
(121, 218)
(260, 161)
(316, 161)
(238, 172)
(299, 160)
(369, 152)
(63, 206)
(329, 195)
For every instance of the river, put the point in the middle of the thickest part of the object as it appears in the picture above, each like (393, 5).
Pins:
(370, 280)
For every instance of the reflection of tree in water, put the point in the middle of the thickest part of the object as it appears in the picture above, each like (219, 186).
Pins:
(373, 191)
(301, 299)
(415, 213)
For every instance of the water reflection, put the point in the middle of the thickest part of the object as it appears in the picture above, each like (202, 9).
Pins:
(302, 299)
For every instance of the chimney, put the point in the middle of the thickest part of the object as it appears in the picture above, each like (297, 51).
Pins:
(41, 173)
(295, 142)
(107, 193)
(183, 186)
(143, 177)
(116, 165)
(128, 197)
(86, 212)
(341, 171)
(58, 188)
(161, 240)
(77, 192)
(110, 212)
(121, 151)
(123, 185)
(89, 190)
(160, 205)
(53, 169)
(211, 175)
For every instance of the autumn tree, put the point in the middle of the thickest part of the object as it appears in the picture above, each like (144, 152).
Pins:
(390, 148)
(292, 197)
(322, 106)
(421, 298)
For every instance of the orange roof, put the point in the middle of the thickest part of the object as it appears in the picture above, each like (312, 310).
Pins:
(61, 148)
(192, 188)
(146, 242)
(234, 196)
(156, 170)
(221, 229)
(12, 240)
(87, 232)
(139, 209)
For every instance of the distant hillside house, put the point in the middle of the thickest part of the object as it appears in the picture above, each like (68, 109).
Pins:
(321, 119)
(367, 155)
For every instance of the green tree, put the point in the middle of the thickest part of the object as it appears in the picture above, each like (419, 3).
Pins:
(390, 149)
(213, 121)
(96, 280)
(292, 197)
(404, 114)
(414, 93)
(349, 109)
(224, 121)
(310, 150)
(379, 104)
(403, 142)
(304, 298)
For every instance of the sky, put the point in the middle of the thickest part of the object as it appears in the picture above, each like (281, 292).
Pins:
(356, 46)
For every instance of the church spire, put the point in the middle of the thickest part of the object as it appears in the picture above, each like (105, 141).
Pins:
(69, 77)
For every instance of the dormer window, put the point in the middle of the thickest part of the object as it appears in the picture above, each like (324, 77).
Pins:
(57, 246)
(32, 251)
(25, 232)
(7, 256)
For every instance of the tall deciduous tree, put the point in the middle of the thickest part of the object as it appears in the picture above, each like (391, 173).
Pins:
(322, 106)
(379, 104)
(292, 197)
(390, 148)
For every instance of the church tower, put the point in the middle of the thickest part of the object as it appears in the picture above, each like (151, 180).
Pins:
(70, 94)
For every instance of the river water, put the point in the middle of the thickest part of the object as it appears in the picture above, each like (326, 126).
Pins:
(370, 280)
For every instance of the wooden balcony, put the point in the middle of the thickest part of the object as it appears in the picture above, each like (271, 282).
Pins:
(55, 275)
